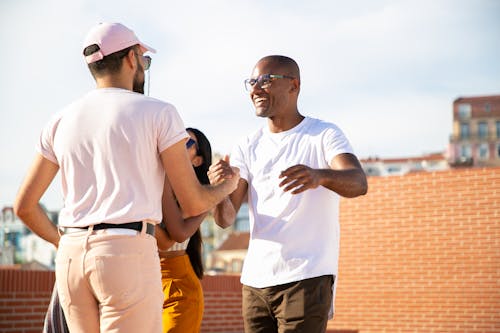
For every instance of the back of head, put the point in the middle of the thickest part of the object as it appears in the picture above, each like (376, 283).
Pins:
(107, 44)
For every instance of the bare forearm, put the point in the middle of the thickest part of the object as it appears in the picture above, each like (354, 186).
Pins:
(163, 241)
(193, 197)
(348, 183)
(27, 206)
(224, 213)
(208, 197)
(182, 231)
(37, 221)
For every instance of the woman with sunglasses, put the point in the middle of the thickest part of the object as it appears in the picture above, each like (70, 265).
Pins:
(179, 247)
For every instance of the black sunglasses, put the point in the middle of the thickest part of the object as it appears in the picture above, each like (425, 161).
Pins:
(190, 142)
(147, 62)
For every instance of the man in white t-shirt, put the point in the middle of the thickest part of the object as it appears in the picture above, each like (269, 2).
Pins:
(114, 147)
(293, 171)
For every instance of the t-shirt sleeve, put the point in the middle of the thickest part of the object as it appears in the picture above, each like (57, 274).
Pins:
(45, 145)
(170, 128)
(237, 159)
(335, 143)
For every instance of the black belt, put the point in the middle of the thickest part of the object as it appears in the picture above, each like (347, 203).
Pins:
(150, 229)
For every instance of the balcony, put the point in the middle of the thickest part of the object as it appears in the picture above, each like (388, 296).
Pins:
(474, 137)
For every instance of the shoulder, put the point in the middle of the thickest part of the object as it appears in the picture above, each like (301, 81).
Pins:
(318, 127)
(252, 138)
(153, 103)
(320, 124)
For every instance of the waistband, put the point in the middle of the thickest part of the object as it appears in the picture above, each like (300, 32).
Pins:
(176, 266)
(137, 226)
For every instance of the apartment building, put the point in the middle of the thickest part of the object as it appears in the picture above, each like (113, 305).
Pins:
(475, 140)
(375, 166)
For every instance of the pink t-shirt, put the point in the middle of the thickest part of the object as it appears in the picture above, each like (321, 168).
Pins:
(107, 145)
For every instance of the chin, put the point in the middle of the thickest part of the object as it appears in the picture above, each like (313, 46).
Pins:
(262, 112)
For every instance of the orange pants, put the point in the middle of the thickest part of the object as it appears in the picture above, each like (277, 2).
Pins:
(183, 302)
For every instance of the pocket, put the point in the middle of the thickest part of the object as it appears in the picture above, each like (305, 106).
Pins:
(118, 279)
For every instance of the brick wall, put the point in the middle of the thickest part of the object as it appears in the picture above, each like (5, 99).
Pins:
(222, 313)
(419, 253)
(24, 297)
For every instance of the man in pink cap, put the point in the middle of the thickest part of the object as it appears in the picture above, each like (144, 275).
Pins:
(114, 147)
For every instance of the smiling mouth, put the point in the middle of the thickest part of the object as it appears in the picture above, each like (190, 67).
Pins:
(259, 101)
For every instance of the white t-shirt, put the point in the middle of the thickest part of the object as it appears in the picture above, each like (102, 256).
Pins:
(107, 145)
(292, 237)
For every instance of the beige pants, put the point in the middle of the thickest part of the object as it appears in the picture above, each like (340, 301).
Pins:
(110, 282)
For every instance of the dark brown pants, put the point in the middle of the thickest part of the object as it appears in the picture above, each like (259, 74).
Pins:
(300, 306)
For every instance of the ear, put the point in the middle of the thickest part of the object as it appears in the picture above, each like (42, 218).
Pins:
(197, 161)
(130, 60)
(295, 85)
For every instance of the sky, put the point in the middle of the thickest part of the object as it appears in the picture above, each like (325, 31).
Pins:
(386, 72)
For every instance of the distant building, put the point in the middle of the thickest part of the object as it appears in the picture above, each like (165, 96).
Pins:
(229, 256)
(18, 245)
(375, 166)
(12, 231)
(214, 236)
(475, 140)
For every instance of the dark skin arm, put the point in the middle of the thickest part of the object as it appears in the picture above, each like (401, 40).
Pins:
(346, 177)
(179, 229)
(226, 210)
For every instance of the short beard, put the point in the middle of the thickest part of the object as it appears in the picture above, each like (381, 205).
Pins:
(138, 84)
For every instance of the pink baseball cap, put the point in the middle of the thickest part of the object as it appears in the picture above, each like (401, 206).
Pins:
(111, 38)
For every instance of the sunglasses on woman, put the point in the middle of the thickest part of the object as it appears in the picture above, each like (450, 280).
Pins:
(190, 142)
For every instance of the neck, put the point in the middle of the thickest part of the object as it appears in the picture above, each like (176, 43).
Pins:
(281, 124)
(114, 81)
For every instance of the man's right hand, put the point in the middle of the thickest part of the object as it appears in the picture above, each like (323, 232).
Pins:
(222, 170)
(219, 172)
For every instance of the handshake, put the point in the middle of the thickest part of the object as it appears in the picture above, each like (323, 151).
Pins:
(222, 170)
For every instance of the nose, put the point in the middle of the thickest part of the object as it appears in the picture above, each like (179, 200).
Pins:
(255, 88)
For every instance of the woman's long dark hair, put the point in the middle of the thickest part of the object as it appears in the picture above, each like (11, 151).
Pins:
(195, 242)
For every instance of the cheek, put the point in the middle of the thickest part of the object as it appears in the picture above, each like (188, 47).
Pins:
(191, 154)
(279, 100)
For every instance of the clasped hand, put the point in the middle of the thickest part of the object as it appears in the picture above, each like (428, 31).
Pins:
(222, 170)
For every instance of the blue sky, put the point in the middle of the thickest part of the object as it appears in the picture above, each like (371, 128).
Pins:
(386, 72)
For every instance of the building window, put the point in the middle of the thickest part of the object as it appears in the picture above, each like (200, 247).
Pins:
(464, 111)
(465, 151)
(393, 169)
(498, 150)
(498, 129)
(236, 265)
(483, 130)
(484, 151)
(487, 107)
(464, 131)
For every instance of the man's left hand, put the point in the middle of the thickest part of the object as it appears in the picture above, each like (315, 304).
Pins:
(299, 178)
